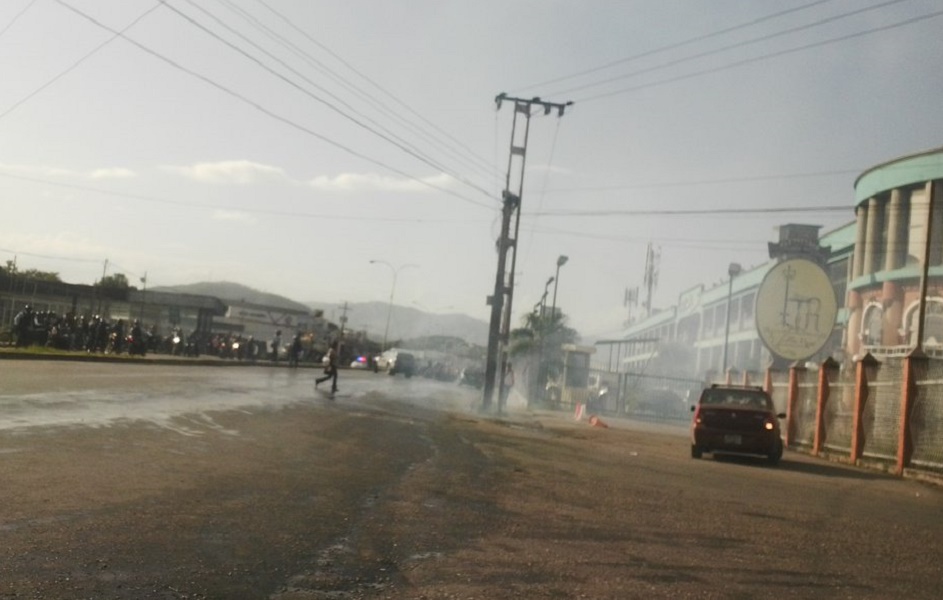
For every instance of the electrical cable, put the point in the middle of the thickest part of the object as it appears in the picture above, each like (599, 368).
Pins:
(740, 44)
(16, 17)
(337, 57)
(690, 212)
(203, 206)
(270, 113)
(467, 158)
(776, 54)
(386, 137)
(724, 180)
(94, 50)
(676, 45)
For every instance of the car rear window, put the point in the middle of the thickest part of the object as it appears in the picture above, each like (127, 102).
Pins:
(739, 398)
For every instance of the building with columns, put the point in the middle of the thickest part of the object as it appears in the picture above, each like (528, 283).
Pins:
(892, 208)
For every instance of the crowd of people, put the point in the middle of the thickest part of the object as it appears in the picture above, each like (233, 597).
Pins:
(95, 334)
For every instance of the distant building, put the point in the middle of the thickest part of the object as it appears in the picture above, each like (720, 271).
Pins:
(690, 336)
(892, 209)
(262, 321)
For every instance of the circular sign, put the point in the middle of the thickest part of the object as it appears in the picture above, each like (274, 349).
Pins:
(796, 309)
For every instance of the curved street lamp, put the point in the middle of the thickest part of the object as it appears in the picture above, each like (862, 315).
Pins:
(389, 309)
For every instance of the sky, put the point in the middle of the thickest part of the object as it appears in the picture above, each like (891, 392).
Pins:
(339, 151)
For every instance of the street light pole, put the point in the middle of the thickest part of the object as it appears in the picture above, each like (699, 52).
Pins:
(543, 299)
(733, 270)
(561, 260)
(389, 309)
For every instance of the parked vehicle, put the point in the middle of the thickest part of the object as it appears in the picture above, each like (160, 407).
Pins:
(472, 377)
(404, 363)
(735, 419)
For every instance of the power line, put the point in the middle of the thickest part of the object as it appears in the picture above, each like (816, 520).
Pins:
(398, 143)
(199, 205)
(17, 17)
(691, 212)
(740, 44)
(467, 157)
(270, 113)
(779, 53)
(50, 257)
(681, 44)
(74, 65)
(723, 180)
(370, 81)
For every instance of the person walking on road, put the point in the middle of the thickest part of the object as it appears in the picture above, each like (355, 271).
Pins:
(276, 344)
(330, 370)
(294, 352)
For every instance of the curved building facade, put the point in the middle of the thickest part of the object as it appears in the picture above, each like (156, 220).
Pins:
(894, 231)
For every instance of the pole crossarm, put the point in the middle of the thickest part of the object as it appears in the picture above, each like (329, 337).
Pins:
(524, 104)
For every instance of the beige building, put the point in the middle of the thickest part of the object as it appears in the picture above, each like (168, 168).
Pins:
(892, 210)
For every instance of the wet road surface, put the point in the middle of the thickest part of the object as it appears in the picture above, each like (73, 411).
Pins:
(149, 481)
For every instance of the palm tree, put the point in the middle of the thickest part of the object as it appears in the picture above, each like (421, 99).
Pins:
(537, 348)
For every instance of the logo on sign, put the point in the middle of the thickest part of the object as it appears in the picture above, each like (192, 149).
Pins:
(796, 309)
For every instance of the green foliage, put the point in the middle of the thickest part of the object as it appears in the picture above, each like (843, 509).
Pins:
(118, 281)
(10, 269)
(547, 331)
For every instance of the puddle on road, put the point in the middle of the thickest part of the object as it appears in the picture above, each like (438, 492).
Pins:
(180, 398)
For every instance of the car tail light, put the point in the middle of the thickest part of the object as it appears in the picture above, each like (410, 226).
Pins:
(698, 418)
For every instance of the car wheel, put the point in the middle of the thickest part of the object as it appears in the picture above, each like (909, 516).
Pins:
(696, 452)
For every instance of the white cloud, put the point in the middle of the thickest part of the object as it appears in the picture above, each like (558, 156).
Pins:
(234, 172)
(233, 215)
(112, 173)
(372, 182)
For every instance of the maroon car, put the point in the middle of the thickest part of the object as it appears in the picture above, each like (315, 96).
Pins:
(738, 420)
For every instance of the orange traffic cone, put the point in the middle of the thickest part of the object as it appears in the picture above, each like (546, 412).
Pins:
(596, 421)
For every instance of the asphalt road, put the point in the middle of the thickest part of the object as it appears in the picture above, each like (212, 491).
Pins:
(150, 481)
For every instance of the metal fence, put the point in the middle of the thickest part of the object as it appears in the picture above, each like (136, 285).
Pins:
(926, 418)
(888, 412)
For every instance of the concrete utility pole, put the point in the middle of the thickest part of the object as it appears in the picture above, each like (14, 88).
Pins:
(925, 269)
(501, 300)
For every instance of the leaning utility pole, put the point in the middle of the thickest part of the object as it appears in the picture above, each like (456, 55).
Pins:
(501, 301)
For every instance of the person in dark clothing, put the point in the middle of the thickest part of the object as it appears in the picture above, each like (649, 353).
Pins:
(23, 325)
(330, 370)
(294, 352)
(276, 344)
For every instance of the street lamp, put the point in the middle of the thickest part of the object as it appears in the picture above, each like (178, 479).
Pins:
(561, 260)
(733, 270)
(543, 299)
(389, 309)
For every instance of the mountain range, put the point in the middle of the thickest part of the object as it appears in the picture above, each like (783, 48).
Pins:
(405, 323)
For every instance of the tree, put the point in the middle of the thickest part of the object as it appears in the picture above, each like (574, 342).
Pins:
(40, 275)
(537, 349)
(10, 269)
(547, 331)
(118, 281)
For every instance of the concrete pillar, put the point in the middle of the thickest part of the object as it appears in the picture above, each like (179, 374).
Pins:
(936, 230)
(872, 242)
(857, 267)
(892, 297)
(855, 308)
(896, 237)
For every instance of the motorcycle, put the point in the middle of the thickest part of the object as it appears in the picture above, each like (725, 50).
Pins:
(137, 344)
